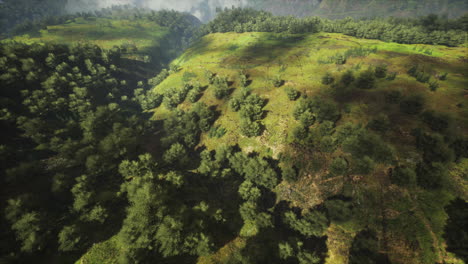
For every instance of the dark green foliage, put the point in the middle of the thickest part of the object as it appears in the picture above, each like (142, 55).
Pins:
(365, 249)
(404, 176)
(312, 223)
(235, 104)
(159, 78)
(221, 89)
(347, 78)
(366, 80)
(393, 97)
(72, 124)
(381, 71)
(460, 147)
(250, 128)
(380, 124)
(433, 146)
(217, 132)
(251, 112)
(248, 191)
(176, 155)
(391, 76)
(339, 211)
(417, 72)
(244, 80)
(324, 110)
(186, 126)
(364, 165)
(148, 100)
(438, 122)
(195, 93)
(255, 169)
(292, 93)
(307, 119)
(299, 133)
(339, 166)
(363, 143)
(455, 233)
(294, 248)
(432, 176)
(248, 20)
(69, 238)
(443, 76)
(278, 82)
(27, 226)
(327, 79)
(406, 31)
(434, 86)
(289, 174)
(412, 105)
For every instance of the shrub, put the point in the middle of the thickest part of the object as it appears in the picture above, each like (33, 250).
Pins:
(307, 119)
(391, 76)
(327, 79)
(299, 133)
(292, 93)
(235, 104)
(194, 95)
(347, 78)
(289, 174)
(381, 71)
(432, 176)
(364, 165)
(393, 97)
(339, 166)
(366, 80)
(249, 128)
(434, 86)
(412, 105)
(278, 82)
(436, 121)
(403, 176)
(339, 211)
(217, 132)
(251, 112)
(443, 76)
(380, 124)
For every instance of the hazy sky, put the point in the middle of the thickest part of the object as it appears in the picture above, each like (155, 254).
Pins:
(203, 9)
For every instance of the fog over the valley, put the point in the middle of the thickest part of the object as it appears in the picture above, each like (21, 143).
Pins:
(203, 9)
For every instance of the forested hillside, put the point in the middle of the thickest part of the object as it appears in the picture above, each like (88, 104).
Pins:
(363, 8)
(131, 136)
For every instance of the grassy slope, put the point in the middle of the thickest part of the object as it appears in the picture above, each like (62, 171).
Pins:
(103, 32)
(295, 58)
(262, 55)
(140, 38)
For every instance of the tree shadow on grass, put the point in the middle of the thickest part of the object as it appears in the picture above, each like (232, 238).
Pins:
(265, 50)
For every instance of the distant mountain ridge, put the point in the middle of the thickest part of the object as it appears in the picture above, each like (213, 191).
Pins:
(363, 8)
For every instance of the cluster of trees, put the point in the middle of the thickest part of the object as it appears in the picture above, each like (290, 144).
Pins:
(431, 29)
(410, 31)
(249, 20)
(68, 119)
(250, 108)
(438, 150)
(344, 84)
